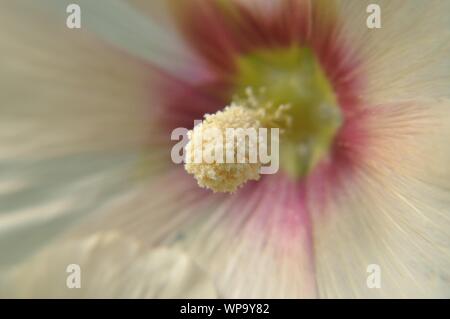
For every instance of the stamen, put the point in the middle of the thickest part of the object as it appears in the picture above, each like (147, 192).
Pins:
(218, 174)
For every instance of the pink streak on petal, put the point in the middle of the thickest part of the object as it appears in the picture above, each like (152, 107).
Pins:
(219, 35)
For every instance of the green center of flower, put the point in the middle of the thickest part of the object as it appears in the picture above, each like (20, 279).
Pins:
(292, 77)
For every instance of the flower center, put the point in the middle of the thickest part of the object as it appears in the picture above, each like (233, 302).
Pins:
(281, 88)
(292, 77)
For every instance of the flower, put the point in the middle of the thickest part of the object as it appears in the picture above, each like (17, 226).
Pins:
(87, 177)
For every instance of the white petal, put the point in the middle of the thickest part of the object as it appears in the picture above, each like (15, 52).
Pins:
(54, 194)
(111, 266)
(394, 212)
(408, 56)
(75, 117)
(64, 91)
(255, 244)
(125, 27)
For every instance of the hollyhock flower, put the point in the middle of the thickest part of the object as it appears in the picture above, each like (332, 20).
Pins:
(87, 181)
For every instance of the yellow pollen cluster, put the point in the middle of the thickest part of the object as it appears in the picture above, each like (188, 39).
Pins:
(222, 176)
(273, 115)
